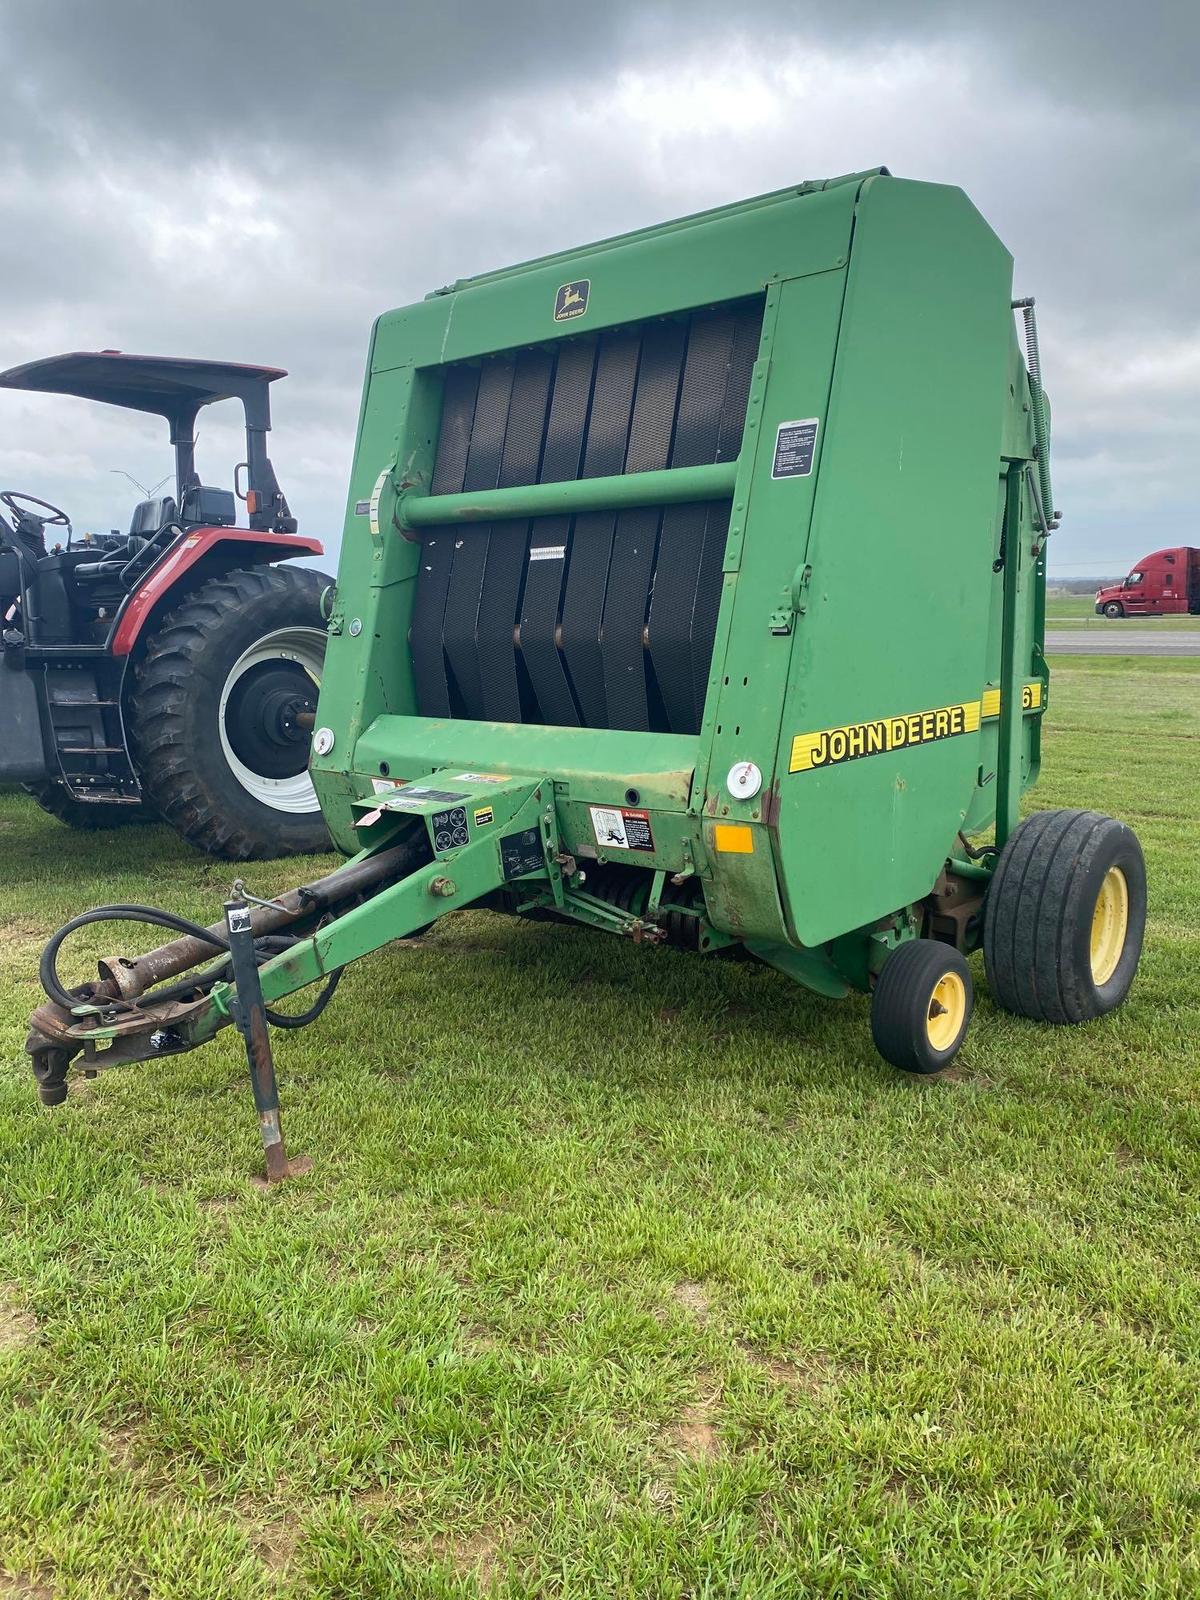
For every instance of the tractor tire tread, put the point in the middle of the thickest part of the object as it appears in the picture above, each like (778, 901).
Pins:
(164, 677)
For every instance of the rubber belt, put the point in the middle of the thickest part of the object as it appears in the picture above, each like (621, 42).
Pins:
(508, 542)
(627, 595)
(437, 546)
(681, 540)
(592, 534)
(544, 573)
(470, 542)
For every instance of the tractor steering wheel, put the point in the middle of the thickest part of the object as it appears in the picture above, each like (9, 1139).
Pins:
(57, 518)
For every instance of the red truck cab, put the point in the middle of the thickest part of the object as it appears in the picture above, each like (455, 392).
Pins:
(1164, 583)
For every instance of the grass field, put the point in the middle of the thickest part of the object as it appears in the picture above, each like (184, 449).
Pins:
(617, 1274)
(1079, 611)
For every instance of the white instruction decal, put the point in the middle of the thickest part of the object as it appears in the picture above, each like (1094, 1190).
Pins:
(795, 445)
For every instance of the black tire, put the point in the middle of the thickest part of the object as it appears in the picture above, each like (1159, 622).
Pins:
(86, 815)
(906, 1010)
(1051, 886)
(187, 738)
(1114, 609)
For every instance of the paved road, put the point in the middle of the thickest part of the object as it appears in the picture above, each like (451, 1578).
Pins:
(1119, 639)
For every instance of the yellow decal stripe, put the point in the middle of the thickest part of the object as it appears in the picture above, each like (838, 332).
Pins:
(829, 747)
(1031, 699)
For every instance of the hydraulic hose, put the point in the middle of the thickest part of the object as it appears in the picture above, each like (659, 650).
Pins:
(152, 916)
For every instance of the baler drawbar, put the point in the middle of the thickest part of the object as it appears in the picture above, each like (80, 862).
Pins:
(692, 589)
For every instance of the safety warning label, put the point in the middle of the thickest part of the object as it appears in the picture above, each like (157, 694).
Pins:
(795, 445)
(621, 829)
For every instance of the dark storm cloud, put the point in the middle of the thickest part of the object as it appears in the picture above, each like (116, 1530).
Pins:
(258, 180)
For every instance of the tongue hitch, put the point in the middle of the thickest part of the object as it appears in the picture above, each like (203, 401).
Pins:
(178, 996)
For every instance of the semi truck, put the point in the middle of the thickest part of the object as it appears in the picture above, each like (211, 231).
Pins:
(1165, 583)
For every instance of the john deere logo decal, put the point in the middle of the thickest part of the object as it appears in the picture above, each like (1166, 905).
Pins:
(831, 746)
(571, 300)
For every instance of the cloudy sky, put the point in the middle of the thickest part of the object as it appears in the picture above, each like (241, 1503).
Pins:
(256, 179)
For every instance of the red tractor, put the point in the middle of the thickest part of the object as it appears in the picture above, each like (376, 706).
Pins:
(171, 671)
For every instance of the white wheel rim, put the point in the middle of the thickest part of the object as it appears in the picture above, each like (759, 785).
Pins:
(306, 647)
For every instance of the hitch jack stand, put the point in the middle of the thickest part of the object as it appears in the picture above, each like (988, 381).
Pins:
(250, 1015)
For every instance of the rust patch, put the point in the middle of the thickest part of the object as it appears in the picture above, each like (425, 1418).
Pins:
(770, 805)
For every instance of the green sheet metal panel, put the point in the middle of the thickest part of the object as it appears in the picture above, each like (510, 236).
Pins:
(717, 256)
(901, 551)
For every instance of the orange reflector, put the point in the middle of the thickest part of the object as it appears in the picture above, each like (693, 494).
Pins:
(251, 501)
(734, 838)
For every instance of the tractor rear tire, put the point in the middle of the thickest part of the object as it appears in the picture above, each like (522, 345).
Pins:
(86, 815)
(217, 728)
(1064, 917)
(921, 1005)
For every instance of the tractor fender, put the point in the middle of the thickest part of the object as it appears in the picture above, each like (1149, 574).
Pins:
(196, 548)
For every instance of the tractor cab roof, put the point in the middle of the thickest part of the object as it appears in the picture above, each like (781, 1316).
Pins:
(164, 385)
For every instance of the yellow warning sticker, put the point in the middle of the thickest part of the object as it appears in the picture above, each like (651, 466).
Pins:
(829, 747)
(483, 816)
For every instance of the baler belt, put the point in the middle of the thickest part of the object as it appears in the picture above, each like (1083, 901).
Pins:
(636, 535)
(592, 535)
(544, 574)
(681, 540)
(616, 612)
(484, 460)
(437, 548)
(496, 649)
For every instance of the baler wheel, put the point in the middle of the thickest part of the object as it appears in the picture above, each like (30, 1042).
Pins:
(1064, 917)
(921, 1005)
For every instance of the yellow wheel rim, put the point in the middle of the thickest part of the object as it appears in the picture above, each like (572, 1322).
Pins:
(947, 1011)
(1110, 925)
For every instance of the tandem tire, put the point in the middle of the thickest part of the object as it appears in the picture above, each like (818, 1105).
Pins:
(1064, 917)
(222, 712)
(921, 1005)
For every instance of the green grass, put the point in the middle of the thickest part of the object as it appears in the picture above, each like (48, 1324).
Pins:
(1079, 611)
(618, 1273)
